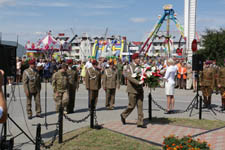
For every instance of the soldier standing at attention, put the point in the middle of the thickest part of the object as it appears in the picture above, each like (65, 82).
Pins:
(93, 83)
(207, 82)
(60, 84)
(32, 87)
(135, 92)
(109, 82)
(73, 85)
(221, 84)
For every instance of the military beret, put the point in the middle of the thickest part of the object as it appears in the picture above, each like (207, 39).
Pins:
(32, 62)
(93, 57)
(135, 56)
(94, 62)
(89, 56)
(69, 61)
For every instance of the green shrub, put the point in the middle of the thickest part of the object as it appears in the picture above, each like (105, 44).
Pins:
(185, 143)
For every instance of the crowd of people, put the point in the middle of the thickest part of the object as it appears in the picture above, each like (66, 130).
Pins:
(185, 78)
(109, 74)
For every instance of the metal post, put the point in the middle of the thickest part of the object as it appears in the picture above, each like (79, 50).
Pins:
(60, 124)
(150, 106)
(92, 114)
(200, 108)
(38, 138)
(197, 89)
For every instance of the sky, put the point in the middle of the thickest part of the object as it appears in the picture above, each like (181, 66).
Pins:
(31, 19)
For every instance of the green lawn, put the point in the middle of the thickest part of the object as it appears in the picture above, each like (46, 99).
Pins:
(89, 139)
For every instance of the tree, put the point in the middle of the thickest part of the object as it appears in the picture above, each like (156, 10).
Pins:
(214, 46)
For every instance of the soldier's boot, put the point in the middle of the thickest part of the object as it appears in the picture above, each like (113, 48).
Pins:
(223, 104)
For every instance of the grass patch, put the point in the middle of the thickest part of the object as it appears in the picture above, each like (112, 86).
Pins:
(193, 123)
(89, 139)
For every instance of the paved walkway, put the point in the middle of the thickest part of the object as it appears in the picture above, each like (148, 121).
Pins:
(155, 133)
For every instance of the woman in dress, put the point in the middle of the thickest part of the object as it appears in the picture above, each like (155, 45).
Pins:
(170, 84)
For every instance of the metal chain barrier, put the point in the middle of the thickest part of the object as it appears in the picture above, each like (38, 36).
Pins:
(95, 117)
(162, 108)
(53, 139)
(76, 121)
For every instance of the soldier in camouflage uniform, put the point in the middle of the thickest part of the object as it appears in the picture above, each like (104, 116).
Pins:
(135, 92)
(60, 84)
(207, 83)
(93, 83)
(32, 88)
(221, 84)
(109, 82)
(73, 85)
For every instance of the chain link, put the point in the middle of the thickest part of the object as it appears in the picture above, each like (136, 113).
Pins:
(159, 106)
(186, 110)
(53, 139)
(95, 117)
(76, 121)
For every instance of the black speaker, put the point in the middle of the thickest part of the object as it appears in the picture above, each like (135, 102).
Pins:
(8, 59)
(197, 62)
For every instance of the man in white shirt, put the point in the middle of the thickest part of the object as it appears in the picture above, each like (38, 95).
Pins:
(3, 107)
(88, 63)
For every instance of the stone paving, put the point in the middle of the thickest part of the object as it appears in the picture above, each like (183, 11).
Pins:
(155, 133)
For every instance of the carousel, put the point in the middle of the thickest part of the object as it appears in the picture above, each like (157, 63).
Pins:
(47, 47)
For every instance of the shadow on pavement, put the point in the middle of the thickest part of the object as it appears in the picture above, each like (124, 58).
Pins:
(155, 120)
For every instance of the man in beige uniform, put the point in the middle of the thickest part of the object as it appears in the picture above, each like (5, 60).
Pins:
(73, 85)
(207, 83)
(32, 87)
(110, 81)
(135, 92)
(93, 82)
(60, 84)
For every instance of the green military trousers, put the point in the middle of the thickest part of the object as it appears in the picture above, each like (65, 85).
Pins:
(37, 103)
(135, 99)
(110, 98)
(71, 102)
(62, 97)
(93, 97)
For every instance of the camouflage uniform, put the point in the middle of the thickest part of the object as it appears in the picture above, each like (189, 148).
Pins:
(221, 82)
(135, 95)
(207, 82)
(109, 82)
(73, 85)
(32, 86)
(60, 83)
(93, 84)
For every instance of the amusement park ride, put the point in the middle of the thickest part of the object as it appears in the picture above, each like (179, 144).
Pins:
(169, 15)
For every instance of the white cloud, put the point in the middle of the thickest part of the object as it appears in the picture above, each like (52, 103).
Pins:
(138, 20)
(15, 13)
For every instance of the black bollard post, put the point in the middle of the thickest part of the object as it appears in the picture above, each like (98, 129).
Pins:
(38, 137)
(200, 108)
(60, 125)
(92, 115)
(150, 106)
